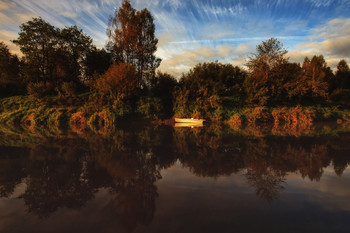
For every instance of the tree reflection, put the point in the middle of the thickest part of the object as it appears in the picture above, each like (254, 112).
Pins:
(12, 162)
(267, 183)
(67, 172)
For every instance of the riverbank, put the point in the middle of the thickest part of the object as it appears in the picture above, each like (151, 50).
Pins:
(86, 113)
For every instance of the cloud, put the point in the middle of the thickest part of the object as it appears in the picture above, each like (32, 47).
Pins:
(331, 40)
(6, 37)
(178, 63)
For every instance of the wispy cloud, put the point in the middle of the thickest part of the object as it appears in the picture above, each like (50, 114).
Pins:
(205, 30)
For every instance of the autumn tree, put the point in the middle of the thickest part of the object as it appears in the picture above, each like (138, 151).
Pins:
(118, 81)
(313, 81)
(132, 41)
(263, 84)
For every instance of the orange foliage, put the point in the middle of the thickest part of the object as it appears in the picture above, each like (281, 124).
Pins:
(30, 122)
(235, 121)
(119, 80)
(257, 115)
(78, 122)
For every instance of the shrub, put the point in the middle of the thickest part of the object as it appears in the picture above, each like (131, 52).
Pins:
(235, 121)
(149, 107)
(300, 116)
(119, 80)
(68, 88)
(29, 122)
(257, 115)
(39, 90)
(280, 115)
(78, 122)
(341, 95)
(102, 121)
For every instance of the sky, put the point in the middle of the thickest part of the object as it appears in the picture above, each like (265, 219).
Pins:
(194, 31)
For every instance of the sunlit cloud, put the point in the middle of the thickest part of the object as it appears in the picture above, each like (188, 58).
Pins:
(7, 37)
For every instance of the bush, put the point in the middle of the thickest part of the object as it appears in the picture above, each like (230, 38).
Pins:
(341, 96)
(119, 80)
(149, 107)
(68, 88)
(257, 115)
(235, 121)
(39, 90)
(78, 122)
(102, 121)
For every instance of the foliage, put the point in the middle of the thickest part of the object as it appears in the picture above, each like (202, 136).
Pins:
(39, 89)
(257, 115)
(78, 122)
(52, 54)
(163, 86)
(341, 96)
(313, 81)
(10, 82)
(119, 80)
(132, 40)
(68, 88)
(263, 83)
(203, 88)
(149, 107)
(97, 62)
(342, 75)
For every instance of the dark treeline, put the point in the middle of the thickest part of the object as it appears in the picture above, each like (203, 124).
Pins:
(63, 62)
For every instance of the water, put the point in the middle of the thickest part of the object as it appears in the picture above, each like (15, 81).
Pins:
(164, 179)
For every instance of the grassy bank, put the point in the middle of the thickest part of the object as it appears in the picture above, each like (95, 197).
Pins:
(78, 113)
(100, 114)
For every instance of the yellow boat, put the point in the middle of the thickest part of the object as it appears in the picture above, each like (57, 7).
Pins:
(189, 121)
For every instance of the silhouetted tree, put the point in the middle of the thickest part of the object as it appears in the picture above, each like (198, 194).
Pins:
(10, 80)
(97, 62)
(163, 87)
(51, 54)
(343, 75)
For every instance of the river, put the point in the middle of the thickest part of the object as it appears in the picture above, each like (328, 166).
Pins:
(164, 179)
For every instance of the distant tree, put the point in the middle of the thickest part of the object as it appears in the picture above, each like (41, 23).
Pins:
(205, 86)
(132, 40)
(343, 75)
(264, 67)
(118, 81)
(10, 81)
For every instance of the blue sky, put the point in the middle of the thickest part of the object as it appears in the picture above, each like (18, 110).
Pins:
(193, 31)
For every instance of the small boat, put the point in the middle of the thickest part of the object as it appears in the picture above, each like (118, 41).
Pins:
(188, 125)
(189, 121)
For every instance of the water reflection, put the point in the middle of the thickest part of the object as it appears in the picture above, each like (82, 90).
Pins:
(68, 171)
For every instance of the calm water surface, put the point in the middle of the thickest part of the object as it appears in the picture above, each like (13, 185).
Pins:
(164, 179)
